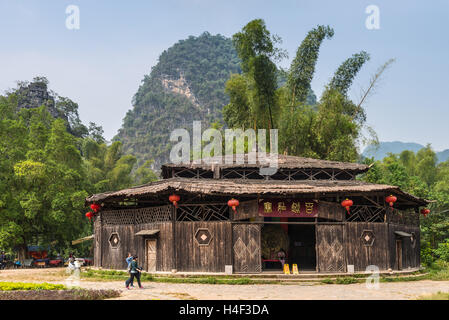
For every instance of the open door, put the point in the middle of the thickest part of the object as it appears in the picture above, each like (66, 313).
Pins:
(399, 254)
(151, 245)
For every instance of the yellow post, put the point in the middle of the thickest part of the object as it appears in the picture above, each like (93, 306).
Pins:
(286, 269)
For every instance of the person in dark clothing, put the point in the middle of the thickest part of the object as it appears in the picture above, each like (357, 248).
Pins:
(134, 272)
(128, 260)
(281, 257)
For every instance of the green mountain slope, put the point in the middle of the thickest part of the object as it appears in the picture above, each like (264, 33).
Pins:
(186, 84)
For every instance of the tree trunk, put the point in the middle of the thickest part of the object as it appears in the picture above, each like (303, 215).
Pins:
(22, 252)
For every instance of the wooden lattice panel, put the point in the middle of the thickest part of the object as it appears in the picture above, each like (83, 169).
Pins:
(118, 217)
(364, 213)
(203, 212)
(154, 214)
(137, 216)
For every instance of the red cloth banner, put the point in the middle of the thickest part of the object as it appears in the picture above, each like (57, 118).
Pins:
(289, 208)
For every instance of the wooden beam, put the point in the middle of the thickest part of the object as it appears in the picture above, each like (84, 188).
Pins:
(80, 240)
(279, 222)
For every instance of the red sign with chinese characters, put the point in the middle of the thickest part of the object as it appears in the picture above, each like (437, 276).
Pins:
(289, 208)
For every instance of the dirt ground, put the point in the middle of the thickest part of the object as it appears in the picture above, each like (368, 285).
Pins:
(299, 291)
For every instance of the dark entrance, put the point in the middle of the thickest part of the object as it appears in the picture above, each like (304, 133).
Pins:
(301, 249)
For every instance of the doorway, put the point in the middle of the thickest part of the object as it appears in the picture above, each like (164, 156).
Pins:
(399, 254)
(151, 247)
(302, 250)
(296, 241)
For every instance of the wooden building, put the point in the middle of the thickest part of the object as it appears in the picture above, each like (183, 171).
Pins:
(299, 205)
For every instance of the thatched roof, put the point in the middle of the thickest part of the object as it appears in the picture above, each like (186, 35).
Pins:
(283, 161)
(240, 187)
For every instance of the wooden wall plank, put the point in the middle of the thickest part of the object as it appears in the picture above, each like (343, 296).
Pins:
(193, 256)
(361, 255)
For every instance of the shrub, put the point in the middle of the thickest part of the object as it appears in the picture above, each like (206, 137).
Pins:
(426, 254)
(11, 286)
(443, 250)
(346, 280)
(327, 281)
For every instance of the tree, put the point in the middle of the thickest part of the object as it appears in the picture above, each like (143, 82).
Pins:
(347, 71)
(257, 51)
(418, 174)
(238, 114)
(426, 165)
(303, 65)
(329, 129)
(47, 172)
(44, 190)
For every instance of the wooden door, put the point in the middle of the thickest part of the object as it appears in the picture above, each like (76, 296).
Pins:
(330, 248)
(399, 254)
(246, 248)
(151, 254)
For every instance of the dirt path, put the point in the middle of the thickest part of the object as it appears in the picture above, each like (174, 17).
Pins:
(301, 291)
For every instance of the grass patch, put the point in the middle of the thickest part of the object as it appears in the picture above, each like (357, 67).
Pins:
(123, 275)
(347, 280)
(341, 280)
(13, 286)
(438, 271)
(327, 281)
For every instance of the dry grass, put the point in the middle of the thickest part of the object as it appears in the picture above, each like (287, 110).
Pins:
(72, 294)
(436, 296)
(33, 274)
(181, 295)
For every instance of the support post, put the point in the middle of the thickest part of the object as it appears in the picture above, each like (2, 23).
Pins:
(174, 264)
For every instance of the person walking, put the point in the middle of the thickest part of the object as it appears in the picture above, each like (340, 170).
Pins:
(71, 261)
(134, 272)
(128, 260)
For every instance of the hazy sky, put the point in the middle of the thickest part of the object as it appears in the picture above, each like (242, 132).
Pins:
(101, 65)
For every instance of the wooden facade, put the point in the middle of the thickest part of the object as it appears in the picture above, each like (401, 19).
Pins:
(202, 234)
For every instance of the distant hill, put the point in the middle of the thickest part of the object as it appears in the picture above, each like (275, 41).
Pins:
(443, 155)
(397, 147)
(187, 84)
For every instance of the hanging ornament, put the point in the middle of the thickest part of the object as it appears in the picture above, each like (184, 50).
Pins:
(391, 200)
(95, 207)
(425, 211)
(90, 215)
(347, 204)
(174, 198)
(233, 203)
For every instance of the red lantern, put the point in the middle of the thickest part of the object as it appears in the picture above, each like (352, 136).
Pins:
(391, 200)
(234, 203)
(174, 198)
(90, 215)
(95, 207)
(425, 211)
(347, 204)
